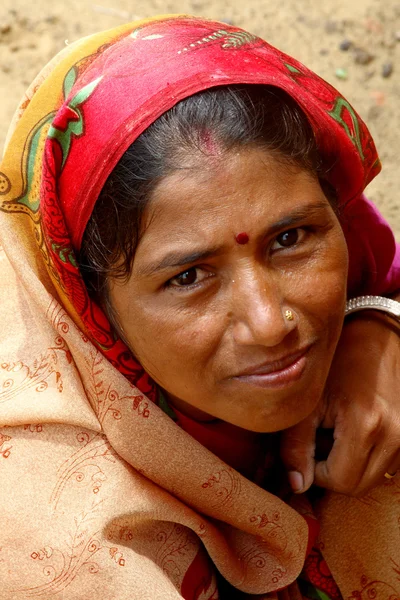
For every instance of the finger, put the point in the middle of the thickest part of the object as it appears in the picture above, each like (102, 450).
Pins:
(297, 450)
(347, 461)
(384, 457)
(394, 466)
(359, 457)
(357, 482)
(374, 476)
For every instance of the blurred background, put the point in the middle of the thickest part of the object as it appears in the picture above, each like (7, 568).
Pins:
(354, 44)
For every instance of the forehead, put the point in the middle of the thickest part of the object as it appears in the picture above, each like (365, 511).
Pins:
(235, 186)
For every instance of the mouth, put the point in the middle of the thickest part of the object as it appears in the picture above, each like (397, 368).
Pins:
(278, 373)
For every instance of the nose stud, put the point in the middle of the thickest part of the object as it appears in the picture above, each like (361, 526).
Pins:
(289, 315)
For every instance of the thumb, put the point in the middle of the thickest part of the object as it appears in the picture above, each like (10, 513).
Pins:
(297, 448)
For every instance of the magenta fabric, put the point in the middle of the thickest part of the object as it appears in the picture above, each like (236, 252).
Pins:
(374, 254)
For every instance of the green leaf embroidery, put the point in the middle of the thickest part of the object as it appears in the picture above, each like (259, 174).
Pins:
(75, 124)
(69, 81)
(291, 68)
(336, 113)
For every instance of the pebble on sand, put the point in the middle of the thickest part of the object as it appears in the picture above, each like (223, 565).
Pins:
(345, 45)
(387, 69)
(362, 57)
(5, 28)
(341, 73)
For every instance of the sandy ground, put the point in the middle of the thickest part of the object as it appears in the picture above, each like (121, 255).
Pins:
(367, 73)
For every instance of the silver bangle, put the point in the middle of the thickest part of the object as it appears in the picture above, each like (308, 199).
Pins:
(386, 305)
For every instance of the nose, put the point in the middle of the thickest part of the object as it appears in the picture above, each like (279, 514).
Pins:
(259, 311)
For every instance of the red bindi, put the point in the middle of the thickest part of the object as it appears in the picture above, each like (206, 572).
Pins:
(242, 238)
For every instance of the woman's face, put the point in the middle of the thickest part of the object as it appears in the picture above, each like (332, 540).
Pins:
(206, 315)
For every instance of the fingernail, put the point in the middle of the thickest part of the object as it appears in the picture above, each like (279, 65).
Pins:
(296, 481)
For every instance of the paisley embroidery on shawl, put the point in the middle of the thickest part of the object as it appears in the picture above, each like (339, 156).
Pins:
(178, 553)
(19, 376)
(33, 428)
(271, 528)
(58, 317)
(5, 448)
(374, 589)
(83, 466)
(104, 398)
(61, 566)
(225, 484)
(174, 544)
(121, 533)
(256, 557)
(264, 521)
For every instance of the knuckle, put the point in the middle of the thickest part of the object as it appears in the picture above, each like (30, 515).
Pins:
(374, 424)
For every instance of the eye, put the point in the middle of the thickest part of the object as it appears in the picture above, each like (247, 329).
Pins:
(289, 238)
(188, 278)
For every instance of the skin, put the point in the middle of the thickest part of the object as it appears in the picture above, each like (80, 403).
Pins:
(363, 413)
(200, 325)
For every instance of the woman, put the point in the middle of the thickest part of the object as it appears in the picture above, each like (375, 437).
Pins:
(228, 288)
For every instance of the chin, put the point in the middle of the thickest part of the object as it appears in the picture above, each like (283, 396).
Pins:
(271, 424)
(269, 415)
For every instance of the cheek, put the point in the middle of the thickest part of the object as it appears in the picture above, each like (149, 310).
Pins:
(174, 346)
(320, 291)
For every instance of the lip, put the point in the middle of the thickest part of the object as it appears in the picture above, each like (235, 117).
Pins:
(279, 373)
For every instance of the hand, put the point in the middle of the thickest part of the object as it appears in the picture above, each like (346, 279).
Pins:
(361, 405)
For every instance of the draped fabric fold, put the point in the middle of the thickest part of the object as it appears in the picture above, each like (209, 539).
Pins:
(103, 495)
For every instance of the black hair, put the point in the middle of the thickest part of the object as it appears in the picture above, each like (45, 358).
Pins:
(232, 117)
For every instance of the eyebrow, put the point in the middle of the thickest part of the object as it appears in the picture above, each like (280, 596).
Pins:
(177, 259)
(182, 259)
(297, 216)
